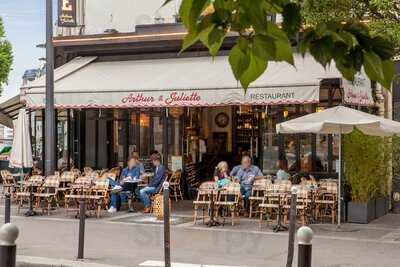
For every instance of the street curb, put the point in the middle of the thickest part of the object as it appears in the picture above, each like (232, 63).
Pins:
(27, 261)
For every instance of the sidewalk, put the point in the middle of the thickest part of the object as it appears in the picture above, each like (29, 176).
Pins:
(127, 239)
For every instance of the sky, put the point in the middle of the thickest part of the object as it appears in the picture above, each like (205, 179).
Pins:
(24, 22)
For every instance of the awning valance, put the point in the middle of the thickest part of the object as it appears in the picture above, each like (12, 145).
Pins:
(9, 110)
(196, 81)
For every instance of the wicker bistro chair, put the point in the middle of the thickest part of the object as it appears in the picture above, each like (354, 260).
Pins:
(257, 194)
(326, 200)
(87, 170)
(302, 204)
(33, 182)
(66, 180)
(175, 185)
(9, 183)
(229, 200)
(47, 193)
(76, 171)
(99, 196)
(80, 189)
(203, 199)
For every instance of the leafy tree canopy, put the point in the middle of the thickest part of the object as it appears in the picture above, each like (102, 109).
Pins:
(6, 57)
(334, 36)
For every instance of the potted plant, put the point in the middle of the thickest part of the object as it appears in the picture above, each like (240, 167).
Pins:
(363, 159)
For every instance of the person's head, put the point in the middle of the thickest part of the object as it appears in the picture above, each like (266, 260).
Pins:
(222, 166)
(153, 152)
(246, 161)
(156, 159)
(135, 155)
(132, 162)
(283, 164)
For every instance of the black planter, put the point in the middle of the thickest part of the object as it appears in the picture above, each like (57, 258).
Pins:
(361, 212)
(381, 204)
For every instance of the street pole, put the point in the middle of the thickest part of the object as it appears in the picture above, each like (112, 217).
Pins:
(49, 108)
(167, 241)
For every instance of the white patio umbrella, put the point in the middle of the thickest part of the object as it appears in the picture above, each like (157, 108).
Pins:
(21, 152)
(340, 120)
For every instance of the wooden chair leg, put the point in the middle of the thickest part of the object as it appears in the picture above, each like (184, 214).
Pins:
(251, 209)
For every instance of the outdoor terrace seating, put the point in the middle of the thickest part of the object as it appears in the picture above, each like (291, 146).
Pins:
(47, 193)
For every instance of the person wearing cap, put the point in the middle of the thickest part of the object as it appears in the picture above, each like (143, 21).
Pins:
(155, 184)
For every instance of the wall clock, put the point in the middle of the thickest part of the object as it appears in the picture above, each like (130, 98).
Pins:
(222, 119)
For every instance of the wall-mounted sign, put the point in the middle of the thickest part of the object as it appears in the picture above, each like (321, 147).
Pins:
(67, 13)
(359, 91)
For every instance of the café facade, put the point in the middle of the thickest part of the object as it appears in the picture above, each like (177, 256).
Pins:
(118, 94)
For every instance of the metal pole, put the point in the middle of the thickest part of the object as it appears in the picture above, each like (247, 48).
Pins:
(82, 218)
(167, 247)
(340, 182)
(292, 226)
(304, 235)
(8, 248)
(7, 209)
(49, 108)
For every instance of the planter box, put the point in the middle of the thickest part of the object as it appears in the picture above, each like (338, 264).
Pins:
(381, 207)
(361, 212)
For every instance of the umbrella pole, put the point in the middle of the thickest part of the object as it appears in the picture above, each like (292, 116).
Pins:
(340, 182)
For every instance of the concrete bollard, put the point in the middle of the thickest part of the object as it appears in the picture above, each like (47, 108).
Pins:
(8, 248)
(7, 208)
(304, 236)
(167, 244)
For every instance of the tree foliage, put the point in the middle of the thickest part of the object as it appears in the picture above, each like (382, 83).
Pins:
(6, 57)
(346, 40)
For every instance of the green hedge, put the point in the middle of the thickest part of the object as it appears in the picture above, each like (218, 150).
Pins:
(366, 165)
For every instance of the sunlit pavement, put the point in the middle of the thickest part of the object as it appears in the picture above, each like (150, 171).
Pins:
(126, 240)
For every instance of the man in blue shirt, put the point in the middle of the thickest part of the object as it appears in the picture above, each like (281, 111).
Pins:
(246, 174)
(131, 173)
(155, 184)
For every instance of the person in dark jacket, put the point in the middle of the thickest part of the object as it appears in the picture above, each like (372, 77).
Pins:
(155, 184)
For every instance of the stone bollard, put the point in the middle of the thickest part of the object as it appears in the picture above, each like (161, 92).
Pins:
(304, 236)
(8, 249)
(167, 244)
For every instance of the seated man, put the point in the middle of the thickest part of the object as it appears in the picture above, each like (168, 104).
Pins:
(130, 173)
(245, 175)
(155, 184)
(141, 165)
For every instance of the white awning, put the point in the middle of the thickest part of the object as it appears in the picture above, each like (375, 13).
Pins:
(196, 81)
(9, 110)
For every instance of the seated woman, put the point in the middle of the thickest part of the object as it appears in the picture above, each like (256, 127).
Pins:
(221, 174)
(155, 184)
(130, 173)
(282, 174)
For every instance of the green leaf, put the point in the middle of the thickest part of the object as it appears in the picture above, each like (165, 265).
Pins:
(190, 39)
(190, 11)
(382, 47)
(212, 38)
(283, 46)
(373, 66)
(322, 50)
(256, 68)
(291, 19)
(388, 72)
(239, 61)
(264, 47)
(348, 38)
